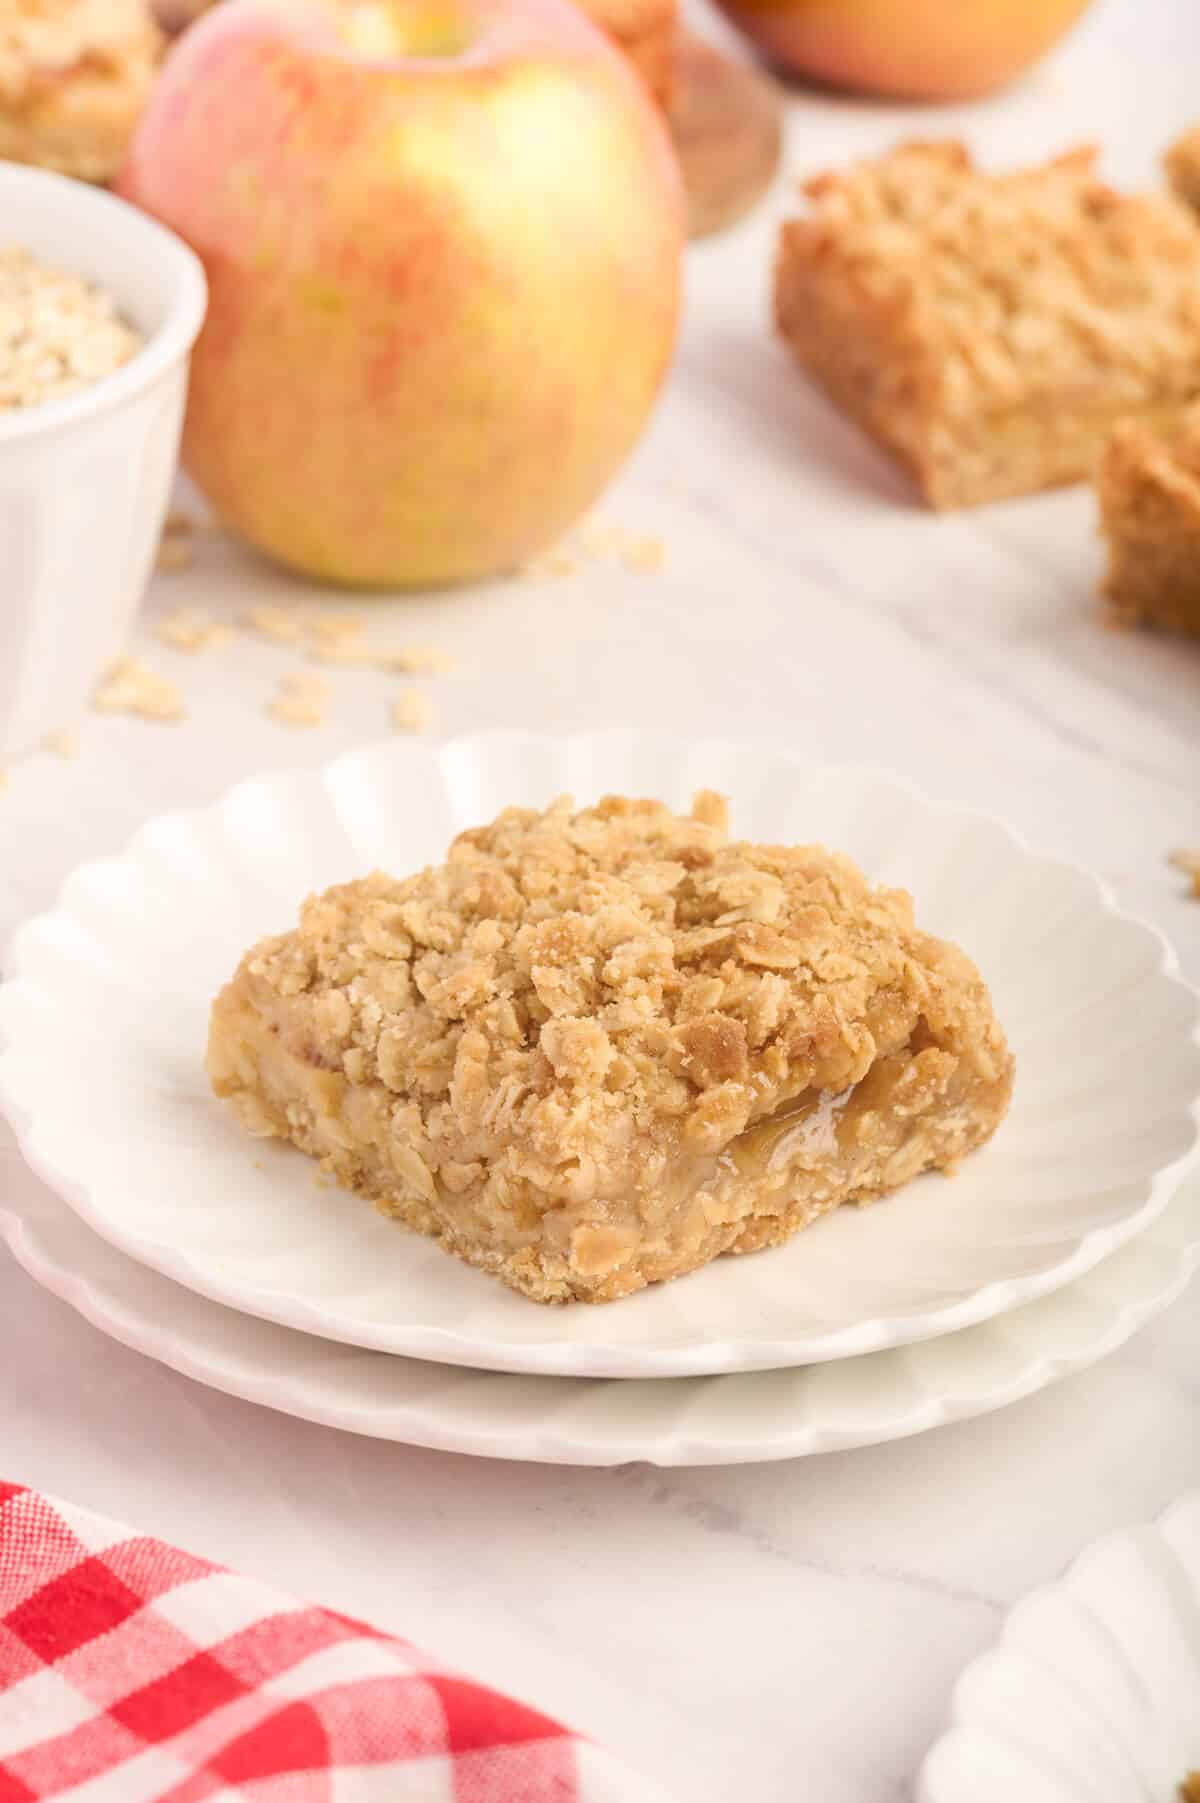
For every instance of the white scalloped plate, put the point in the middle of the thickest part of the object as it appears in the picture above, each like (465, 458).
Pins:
(104, 1027)
(1093, 1693)
(743, 1418)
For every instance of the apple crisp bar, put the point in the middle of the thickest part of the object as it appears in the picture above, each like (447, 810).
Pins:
(74, 76)
(1148, 483)
(1183, 168)
(595, 1050)
(989, 330)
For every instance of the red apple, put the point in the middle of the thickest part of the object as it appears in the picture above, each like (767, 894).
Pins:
(443, 246)
(909, 49)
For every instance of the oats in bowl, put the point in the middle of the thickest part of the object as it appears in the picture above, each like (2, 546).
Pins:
(58, 332)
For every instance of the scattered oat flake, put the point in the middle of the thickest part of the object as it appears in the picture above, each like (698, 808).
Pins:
(340, 651)
(639, 551)
(307, 683)
(645, 555)
(181, 525)
(301, 699)
(131, 687)
(1188, 860)
(411, 711)
(297, 710)
(549, 567)
(274, 623)
(336, 626)
(416, 660)
(192, 629)
(62, 744)
(174, 554)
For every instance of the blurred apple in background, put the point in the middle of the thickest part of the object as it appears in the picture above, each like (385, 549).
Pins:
(906, 49)
(443, 244)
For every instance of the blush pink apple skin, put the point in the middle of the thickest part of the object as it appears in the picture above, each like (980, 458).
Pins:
(918, 50)
(444, 290)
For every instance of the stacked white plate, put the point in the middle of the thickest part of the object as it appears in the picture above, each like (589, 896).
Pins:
(226, 1259)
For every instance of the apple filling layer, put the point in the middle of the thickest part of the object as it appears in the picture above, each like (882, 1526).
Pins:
(594, 1051)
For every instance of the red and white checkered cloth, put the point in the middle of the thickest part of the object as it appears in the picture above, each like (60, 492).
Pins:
(131, 1672)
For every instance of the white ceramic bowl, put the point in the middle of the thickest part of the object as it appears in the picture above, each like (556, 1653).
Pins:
(85, 480)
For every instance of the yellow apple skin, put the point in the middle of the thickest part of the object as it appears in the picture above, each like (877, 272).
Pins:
(906, 49)
(444, 288)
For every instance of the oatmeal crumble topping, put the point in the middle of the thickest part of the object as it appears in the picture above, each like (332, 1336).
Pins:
(1183, 167)
(1148, 489)
(990, 329)
(62, 744)
(37, 36)
(595, 1049)
(74, 77)
(58, 333)
(1015, 278)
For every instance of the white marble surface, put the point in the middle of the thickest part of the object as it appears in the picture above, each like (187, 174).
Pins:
(791, 1630)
